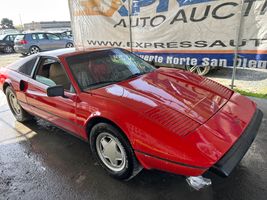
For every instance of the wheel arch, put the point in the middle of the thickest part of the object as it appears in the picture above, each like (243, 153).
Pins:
(69, 43)
(34, 45)
(100, 119)
(5, 85)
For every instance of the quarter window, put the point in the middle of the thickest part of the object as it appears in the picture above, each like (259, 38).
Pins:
(34, 36)
(42, 36)
(39, 36)
(27, 67)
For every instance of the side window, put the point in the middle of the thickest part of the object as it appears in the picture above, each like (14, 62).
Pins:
(51, 73)
(42, 36)
(12, 38)
(7, 38)
(27, 67)
(52, 37)
(34, 37)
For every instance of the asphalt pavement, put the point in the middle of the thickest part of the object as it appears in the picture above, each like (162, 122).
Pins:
(39, 161)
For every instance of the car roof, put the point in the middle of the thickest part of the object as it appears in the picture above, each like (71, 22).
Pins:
(69, 52)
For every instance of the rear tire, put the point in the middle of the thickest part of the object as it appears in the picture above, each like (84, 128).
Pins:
(113, 151)
(19, 113)
(34, 50)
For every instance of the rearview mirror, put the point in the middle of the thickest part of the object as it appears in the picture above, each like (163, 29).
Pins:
(55, 91)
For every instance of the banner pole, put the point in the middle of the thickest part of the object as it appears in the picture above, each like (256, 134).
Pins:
(130, 24)
(237, 39)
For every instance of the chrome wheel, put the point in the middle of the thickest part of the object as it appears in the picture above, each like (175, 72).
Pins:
(14, 104)
(69, 45)
(111, 152)
(34, 50)
(199, 69)
(8, 49)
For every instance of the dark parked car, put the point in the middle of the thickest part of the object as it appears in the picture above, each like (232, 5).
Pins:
(65, 34)
(7, 43)
(31, 43)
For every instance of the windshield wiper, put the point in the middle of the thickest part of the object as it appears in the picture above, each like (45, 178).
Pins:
(101, 83)
(135, 75)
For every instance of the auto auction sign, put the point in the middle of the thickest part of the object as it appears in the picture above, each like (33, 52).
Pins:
(176, 32)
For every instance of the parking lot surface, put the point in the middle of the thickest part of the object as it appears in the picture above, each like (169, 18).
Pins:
(39, 161)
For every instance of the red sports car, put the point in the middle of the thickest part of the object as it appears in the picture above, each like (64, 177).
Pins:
(132, 114)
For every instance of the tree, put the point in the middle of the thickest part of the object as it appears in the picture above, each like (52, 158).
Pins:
(7, 23)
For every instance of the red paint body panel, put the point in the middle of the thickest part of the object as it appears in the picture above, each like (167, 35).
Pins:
(175, 121)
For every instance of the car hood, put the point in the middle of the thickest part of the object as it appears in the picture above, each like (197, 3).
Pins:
(178, 92)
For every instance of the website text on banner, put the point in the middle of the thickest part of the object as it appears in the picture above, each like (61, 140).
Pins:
(176, 32)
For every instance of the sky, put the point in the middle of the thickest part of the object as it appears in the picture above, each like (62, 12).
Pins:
(34, 10)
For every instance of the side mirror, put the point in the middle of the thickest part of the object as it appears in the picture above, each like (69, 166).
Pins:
(55, 91)
(152, 62)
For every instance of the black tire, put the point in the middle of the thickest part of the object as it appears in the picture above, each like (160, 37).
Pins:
(24, 54)
(69, 45)
(22, 115)
(131, 167)
(34, 50)
(8, 49)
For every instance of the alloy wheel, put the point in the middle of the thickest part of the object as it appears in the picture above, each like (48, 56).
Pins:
(199, 69)
(34, 50)
(14, 104)
(111, 151)
(8, 49)
(69, 45)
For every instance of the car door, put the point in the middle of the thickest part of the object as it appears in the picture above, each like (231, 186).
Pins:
(55, 41)
(40, 40)
(9, 41)
(61, 111)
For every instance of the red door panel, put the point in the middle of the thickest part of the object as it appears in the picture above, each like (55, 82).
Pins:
(58, 110)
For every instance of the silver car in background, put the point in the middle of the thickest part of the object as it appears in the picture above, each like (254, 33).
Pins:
(31, 43)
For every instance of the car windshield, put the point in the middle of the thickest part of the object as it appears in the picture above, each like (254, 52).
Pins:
(97, 69)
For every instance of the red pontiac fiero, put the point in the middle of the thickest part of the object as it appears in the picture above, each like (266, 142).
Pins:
(132, 114)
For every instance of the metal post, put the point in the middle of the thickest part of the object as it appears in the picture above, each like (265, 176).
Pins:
(130, 24)
(237, 40)
(22, 28)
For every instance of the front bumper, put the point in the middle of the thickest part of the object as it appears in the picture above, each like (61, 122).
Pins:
(231, 159)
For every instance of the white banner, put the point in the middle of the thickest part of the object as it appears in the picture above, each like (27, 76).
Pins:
(178, 32)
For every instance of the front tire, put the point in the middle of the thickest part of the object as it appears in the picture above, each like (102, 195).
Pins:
(19, 113)
(24, 54)
(69, 45)
(199, 69)
(113, 151)
(8, 49)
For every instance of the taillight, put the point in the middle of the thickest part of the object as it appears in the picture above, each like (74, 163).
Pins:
(2, 78)
(23, 42)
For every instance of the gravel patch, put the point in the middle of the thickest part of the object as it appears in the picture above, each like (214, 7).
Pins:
(6, 59)
(250, 80)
